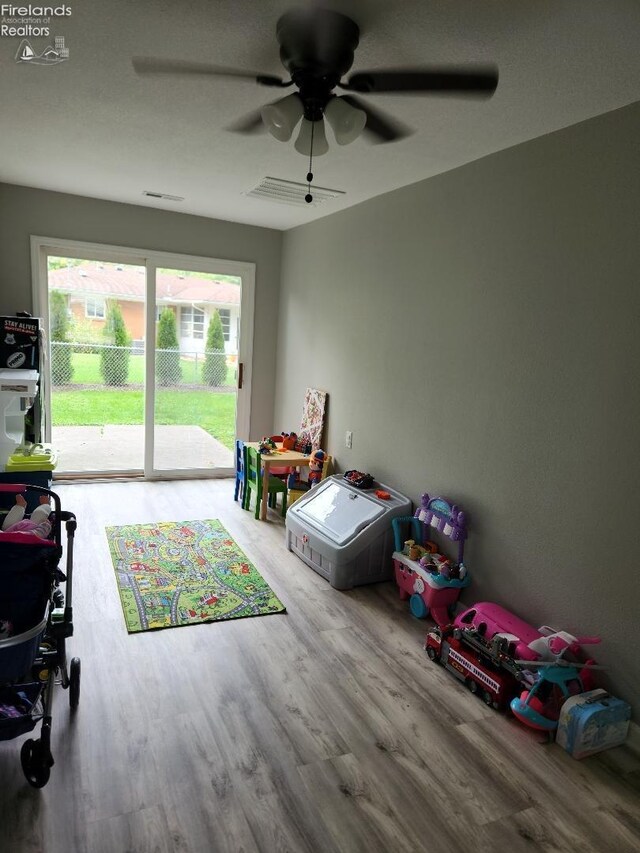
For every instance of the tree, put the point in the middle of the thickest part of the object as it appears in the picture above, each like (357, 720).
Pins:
(114, 360)
(168, 368)
(61, 367)
(214, 370)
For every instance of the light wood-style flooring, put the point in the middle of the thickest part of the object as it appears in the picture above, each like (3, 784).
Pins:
(324, 729)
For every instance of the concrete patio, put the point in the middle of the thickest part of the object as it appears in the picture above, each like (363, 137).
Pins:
(83, 449)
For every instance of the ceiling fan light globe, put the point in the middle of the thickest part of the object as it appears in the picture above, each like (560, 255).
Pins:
(303, 142)
(347, 122)
(281, 118)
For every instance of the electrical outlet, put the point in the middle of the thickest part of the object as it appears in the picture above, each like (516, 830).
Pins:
(348, 439)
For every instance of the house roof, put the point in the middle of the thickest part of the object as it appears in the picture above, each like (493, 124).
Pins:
(128, 283)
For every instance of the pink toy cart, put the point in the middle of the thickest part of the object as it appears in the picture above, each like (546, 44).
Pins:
(430, 581)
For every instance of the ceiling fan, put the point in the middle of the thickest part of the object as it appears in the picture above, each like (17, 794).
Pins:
(317, 49)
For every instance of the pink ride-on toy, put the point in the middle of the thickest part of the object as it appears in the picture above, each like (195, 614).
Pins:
(430, 580)
(491, 620)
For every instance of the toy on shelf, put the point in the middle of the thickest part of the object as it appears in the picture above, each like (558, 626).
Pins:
(430, 580)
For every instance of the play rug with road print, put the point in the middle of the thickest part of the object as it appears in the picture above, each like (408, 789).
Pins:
(181, 572)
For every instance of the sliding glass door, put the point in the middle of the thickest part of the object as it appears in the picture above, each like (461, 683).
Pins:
(149, 369)
(96, 377)
(196, 369)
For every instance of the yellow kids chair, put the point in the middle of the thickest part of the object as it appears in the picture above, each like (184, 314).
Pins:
(253, 483)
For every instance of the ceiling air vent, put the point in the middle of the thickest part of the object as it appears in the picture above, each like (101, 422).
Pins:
(290, 192)
(165, 196)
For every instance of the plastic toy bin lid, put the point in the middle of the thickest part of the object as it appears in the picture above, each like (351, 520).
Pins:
(338, 512)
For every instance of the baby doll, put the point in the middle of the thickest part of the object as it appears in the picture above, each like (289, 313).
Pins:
(37, 525)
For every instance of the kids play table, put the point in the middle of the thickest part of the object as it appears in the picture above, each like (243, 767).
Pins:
(279, 459)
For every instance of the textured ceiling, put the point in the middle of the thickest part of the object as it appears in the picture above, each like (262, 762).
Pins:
(91, 126)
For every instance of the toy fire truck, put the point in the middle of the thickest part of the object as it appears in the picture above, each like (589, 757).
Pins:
(484, 666)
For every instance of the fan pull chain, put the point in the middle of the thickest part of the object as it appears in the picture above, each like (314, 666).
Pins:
(309, 198)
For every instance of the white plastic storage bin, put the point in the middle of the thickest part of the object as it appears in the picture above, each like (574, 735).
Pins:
(344, 533)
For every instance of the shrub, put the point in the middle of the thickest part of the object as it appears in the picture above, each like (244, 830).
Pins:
(168, 368)
(114, 360)
(61, 367)
(85, 336)
(214, 370)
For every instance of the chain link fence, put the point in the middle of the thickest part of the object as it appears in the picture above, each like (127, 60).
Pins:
(96, 366)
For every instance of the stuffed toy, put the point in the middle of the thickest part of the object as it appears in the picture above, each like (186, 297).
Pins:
(316, 464)
(289, 440)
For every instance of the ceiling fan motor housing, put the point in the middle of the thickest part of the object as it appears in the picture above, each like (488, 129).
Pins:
(317, 49)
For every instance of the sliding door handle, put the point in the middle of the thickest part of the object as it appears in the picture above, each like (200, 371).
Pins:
(240, 374)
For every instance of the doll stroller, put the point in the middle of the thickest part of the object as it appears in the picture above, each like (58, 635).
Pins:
(35, 622)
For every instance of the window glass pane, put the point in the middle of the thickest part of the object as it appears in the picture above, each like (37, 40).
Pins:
(94, 307)
(185, 322)
(225, 319)
(192, 322)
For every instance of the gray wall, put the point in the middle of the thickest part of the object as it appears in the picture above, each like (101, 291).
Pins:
(478, 332)
(25, 211)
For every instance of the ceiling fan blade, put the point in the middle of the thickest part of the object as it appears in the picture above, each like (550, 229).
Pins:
(248, 124)
(380, 125)
(473, 82)
(155, 65)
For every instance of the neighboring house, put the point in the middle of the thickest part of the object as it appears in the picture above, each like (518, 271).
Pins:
(193, 299)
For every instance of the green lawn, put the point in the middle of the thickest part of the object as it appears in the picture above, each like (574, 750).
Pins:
(214, 411)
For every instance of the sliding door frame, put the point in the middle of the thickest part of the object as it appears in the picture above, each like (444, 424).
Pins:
(42, 247)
